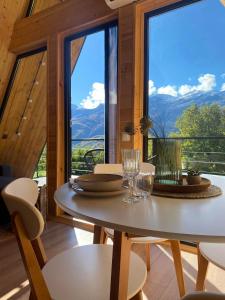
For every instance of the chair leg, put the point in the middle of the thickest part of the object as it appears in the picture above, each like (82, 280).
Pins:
(147, 256)
(105, 238)
(138, 296)
(175, 247)
(202, 271)
(31, 297)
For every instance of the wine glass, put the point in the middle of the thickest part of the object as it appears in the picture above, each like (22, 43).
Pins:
(144, 184)
(131, 168)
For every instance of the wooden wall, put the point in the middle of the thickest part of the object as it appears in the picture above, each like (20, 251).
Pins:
(49, 28)
(23, 127)
(22, 151)
(10, 12)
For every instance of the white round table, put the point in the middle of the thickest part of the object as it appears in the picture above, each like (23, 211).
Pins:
(179, 219)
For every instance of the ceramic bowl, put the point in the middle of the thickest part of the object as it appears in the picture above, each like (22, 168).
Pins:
(100, 182)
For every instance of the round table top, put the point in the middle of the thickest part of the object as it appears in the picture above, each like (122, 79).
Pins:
(181, 219)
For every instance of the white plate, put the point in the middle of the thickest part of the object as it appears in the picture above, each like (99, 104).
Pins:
(81, 192)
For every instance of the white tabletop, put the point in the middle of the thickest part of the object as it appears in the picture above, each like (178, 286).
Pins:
(181, 219)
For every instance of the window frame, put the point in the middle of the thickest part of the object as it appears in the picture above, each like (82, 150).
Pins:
(147, 16)
(67, 90)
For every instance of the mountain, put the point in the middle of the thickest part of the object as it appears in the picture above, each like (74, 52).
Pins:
(164, 110)
(87, 123)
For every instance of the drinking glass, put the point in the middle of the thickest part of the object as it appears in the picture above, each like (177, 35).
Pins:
(144, 185)
(131, 168)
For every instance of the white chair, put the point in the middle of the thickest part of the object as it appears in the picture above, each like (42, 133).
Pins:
(147, 241)
(79, 273)
(209, 252)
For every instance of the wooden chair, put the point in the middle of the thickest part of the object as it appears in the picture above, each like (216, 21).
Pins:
(147, 241)
(78, 273)
(204, 296)
(209, 252)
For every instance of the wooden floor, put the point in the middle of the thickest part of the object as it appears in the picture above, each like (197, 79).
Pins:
(161, 281)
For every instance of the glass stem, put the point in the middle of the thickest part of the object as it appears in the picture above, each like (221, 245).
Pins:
(131, 182)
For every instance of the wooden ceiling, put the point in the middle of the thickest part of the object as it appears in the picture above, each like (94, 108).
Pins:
(23, 123)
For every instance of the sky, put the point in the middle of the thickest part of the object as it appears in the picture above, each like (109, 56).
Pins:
(186, 55)
(87, 81)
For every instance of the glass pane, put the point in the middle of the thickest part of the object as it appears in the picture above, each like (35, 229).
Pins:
(186, 84)
(88, 103)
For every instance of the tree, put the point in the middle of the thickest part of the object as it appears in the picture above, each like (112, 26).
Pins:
(203, 121)
(206, 120)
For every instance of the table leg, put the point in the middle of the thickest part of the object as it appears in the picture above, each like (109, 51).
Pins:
(120, 266)
(175, 247)
(99, 235)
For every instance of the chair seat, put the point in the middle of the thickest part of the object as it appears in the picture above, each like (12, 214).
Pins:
(138, 240)
(84, 272)
(214, 253)
(204, 296)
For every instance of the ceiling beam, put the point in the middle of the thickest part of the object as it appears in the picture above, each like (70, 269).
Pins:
(68, 17)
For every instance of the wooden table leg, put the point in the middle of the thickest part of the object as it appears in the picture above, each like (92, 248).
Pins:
(202, 271)
(120, 266)
(175, 247)
(99, 235)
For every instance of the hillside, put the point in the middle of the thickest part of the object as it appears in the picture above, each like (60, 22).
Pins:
(87, 123)
(164, 110)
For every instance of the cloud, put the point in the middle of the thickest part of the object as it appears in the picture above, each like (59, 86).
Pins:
(151, 87)
(96, 96)
(222, 88)
(167, 90)
(206, 84)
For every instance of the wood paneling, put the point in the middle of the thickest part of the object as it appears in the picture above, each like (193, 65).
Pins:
(40, 5)
(10, 11)
(72, 15)
(55, 119)
(145, 6)
(22, 152)
(129, 75)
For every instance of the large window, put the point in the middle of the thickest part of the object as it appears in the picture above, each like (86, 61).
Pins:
(185, 82)
(23, 114)
(91, 69)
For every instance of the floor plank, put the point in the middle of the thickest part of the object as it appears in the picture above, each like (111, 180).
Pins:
(160, 285)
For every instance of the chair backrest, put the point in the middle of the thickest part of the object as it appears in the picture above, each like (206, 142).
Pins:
(147, 168)
(108, 169)
(118, 168)
(20, 197)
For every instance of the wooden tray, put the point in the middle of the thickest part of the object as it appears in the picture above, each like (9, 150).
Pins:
(212, 191)
(185, 188)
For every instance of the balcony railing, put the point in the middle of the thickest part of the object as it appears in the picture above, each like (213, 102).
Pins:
(205, 153)
(79, 148)
(200, 151)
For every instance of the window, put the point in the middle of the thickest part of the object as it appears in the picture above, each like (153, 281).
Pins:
(23, 113)
(91, 98)
(185, 82)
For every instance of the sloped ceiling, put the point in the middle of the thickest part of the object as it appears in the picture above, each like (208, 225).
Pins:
(10, 12)
(23, 123)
